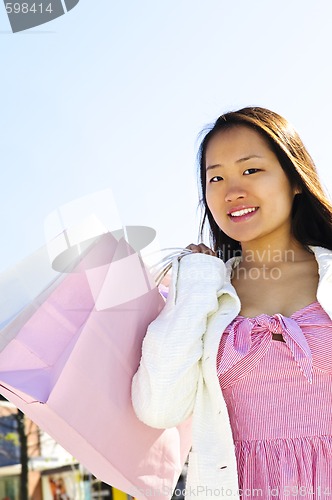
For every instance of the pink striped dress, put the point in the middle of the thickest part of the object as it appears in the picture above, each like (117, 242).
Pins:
(279, 399)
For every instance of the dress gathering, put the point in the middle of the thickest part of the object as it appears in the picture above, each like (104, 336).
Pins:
(278, 394)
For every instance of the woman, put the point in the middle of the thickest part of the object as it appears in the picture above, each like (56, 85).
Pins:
(243, 344)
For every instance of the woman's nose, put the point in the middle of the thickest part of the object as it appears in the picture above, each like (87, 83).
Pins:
(234, 193)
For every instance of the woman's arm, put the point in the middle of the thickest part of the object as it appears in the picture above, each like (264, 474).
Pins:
(164, 387)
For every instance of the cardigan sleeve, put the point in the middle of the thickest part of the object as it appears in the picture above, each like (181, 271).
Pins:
(165, 384)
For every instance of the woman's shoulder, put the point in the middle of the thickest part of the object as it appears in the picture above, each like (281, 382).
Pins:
(324, 259)
(324, 291)
(196, 273)
(321, 253)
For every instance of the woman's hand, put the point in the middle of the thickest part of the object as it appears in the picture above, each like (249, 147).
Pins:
(201, 248)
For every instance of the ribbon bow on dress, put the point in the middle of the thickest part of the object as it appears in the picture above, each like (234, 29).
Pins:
(239, 341)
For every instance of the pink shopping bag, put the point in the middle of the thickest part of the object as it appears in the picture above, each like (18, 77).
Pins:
(67, 361)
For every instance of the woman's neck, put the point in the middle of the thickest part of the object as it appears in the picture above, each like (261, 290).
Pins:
(259, 254)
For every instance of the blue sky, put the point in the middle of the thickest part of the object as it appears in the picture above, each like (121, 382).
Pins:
(113, 96)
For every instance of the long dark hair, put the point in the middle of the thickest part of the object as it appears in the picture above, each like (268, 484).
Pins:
(312, 211)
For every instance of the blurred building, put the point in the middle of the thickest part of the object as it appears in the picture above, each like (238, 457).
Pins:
(53, 474)
(44, 455)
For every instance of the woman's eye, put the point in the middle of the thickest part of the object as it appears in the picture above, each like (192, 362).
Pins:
(251, 171)
(216, 178)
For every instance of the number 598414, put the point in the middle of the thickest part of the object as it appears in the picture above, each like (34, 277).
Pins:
(25, 8)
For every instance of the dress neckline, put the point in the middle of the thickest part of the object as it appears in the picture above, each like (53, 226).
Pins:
(299, 312)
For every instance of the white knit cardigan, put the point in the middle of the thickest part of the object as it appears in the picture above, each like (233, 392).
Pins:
(177, 376)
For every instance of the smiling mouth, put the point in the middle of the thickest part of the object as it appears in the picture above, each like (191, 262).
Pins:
(242, 214)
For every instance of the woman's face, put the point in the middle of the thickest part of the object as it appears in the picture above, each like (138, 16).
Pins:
(247, 191)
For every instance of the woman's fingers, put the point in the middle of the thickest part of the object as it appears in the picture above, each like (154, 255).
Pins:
(201, 248)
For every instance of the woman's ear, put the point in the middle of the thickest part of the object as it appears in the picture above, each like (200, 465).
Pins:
(297, 190)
